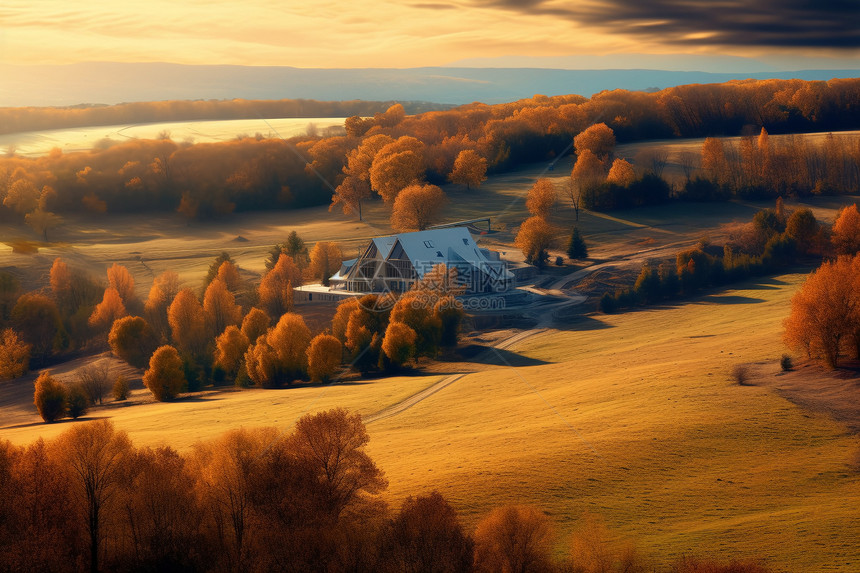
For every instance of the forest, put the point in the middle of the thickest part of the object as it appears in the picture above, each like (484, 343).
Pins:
(388, 151)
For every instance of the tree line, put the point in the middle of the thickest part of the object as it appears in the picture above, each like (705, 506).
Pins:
(774, 239)
(21, 119)
(310, 499)
(385, 153)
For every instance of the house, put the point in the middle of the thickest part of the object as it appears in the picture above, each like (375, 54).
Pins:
(396, 262)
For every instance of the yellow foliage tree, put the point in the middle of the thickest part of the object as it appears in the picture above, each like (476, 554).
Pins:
(514, 538)
(164, 289)
(230, 347)
(276, 287)
(399, 343)
(255, 324)
(132, 339)
(220, 307)
(846, 231)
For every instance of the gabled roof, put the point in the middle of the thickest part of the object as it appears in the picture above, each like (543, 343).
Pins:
(427, 248)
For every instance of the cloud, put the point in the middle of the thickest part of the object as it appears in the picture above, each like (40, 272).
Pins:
(433, 6)
(751, 23)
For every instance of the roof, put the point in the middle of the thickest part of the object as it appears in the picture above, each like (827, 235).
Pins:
(425, 249)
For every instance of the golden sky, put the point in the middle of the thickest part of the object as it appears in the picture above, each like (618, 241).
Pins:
(371, 33)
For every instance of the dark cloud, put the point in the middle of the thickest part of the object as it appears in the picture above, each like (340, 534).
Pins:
(776, 23)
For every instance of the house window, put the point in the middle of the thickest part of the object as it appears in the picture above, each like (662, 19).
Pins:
(428, 244)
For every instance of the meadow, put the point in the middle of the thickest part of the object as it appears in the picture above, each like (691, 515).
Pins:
(36, 143)
(633, 417)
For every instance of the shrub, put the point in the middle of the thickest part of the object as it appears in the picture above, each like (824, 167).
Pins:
(785, 363)
(559, 261)
(741, 374)
(608, 303)
(93, 380)
(120, 389)
(50, 397)
(77, 401)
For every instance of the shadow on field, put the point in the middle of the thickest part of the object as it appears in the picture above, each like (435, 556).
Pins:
(59, 422)
(728, 299)
(481, 354)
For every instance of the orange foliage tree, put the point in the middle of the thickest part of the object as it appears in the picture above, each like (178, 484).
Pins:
(324, 356)
(107, 311)
(417, 207)
(598, 139)
(276, 287)
(132, 339)
(846, 231)
(120, 279)
(230, 348)
(470, 169)
(165, 376)
(281, 355)
(621, 173)
(824, 312)
(220, 308)
(534, 238)
(50, 397)
(396, 166)
(255, 324)
(541, 198)
(325, 261)
(188, 323)
(164, 289)
(514, 538)
(399, 343)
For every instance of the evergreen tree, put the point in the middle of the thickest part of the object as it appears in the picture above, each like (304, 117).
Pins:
(576, 248)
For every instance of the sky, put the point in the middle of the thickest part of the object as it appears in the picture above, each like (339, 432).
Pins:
(374, 33)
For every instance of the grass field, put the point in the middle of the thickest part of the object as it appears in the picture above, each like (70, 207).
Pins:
(632, 417)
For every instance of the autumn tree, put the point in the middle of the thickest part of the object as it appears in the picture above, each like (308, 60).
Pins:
(846, 231)
(121, 280)
(289, 339)
(399, 343)
(50, 397)
(164, 289)
(426, 535)
(255, 324)
(132, 339)
(293, 247)
(534, 238)
(598, 139)
(187, 323)
(60, 278)
(586, 176)
(36, 318)
(220, 308)
(514, 538)
(325, 260)
(94, 380)
(450, 314)
(824, 312)
(276, 287)
(215, 267)
(470, 169)
(714, 161)
(95, 456)
(332, 444)
(14, 355)
(415, 309)
(396, 166)
(107, 311)
(417, 207)
(165, 376)
(324, 357)
(803, 228)
(349, 195)
(621, 173)
(355, 188)
(230, 348)
(541, 198)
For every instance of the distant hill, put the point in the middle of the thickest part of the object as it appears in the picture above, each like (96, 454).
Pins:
(108, 83)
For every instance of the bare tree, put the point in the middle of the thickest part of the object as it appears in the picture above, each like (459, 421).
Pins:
(95, 380)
